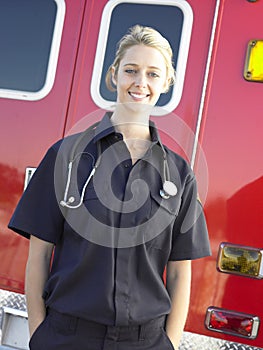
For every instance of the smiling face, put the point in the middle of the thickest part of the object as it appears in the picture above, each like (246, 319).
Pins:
(141, 77)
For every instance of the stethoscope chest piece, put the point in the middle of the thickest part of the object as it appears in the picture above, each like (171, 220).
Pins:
(169, 190)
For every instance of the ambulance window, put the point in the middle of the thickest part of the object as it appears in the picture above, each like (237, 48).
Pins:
(173, 18)
(30, 34)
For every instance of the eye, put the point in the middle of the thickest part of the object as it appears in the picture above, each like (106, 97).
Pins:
(154, 75)
(130, 71)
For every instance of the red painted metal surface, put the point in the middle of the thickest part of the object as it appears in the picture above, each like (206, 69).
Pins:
(232, 142)
(231, 137)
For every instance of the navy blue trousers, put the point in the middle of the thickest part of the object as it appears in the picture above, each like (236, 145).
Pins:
(62, 332)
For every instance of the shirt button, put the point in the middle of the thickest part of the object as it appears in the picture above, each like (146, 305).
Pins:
(126, 165)
(117, 136)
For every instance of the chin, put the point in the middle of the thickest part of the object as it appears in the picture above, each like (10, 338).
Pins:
(139, 107)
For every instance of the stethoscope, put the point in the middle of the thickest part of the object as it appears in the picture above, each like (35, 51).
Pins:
(169, 188)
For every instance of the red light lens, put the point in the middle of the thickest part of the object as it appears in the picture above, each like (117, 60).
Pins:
(236, 324)
(231, 322)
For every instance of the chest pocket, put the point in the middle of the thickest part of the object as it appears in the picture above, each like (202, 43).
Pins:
(160, 224)
(94, 202)
(170, 205)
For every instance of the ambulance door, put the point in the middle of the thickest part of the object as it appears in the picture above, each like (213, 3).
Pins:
(39, 42)
(186, 24)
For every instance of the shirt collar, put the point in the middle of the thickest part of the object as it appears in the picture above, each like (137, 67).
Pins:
(154, 133)
(105, 128)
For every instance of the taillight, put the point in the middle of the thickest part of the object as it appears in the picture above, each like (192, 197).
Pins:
(232, 322)
(240, 260)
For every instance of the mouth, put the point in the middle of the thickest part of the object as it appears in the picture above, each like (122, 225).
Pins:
(138, 96)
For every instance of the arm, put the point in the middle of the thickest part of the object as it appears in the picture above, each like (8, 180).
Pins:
(178, 286)
(37, 271)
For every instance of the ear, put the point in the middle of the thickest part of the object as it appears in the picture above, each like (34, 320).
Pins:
(166, 86)
(114, 75)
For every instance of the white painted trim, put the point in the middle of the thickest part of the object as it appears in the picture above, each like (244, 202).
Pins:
(181, 61)
(203, 95)
(52, 64)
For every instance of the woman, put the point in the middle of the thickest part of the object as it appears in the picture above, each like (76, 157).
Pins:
(105, 287)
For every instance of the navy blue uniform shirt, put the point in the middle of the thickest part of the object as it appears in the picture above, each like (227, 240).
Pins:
(111, 252)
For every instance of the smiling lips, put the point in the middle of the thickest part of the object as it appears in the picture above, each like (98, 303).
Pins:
(138, 96)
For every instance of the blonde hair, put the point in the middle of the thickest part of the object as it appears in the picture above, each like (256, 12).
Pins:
(139, 35)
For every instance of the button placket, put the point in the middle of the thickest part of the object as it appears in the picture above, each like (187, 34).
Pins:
(122, 286)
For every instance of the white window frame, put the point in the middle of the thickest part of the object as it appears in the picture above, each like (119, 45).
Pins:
(181, 60)
(52, 63)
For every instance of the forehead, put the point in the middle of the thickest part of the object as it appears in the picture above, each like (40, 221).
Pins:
(143, 55)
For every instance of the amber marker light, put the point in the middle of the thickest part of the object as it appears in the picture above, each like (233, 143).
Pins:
(253, 70)
(240, 260)
(231, 322)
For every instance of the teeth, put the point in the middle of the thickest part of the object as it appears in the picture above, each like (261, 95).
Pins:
(140, 96)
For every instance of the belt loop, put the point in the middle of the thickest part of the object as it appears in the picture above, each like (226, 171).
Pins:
(141, 332)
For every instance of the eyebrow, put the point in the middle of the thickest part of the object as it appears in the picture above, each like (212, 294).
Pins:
(136, 65)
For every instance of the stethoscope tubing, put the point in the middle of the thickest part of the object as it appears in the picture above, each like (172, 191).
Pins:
(169, 188)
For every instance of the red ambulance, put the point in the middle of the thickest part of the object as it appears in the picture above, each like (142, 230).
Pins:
(53, 59)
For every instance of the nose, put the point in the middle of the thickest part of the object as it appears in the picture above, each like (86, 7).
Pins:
(140, 81)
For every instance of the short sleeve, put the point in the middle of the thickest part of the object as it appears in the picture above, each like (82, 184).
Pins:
(190, 235)
(38, 212)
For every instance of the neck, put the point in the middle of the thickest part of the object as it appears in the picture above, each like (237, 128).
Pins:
(133, 131)
(132, 125)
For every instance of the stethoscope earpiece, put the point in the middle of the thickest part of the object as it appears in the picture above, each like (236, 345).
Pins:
(169, 190)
